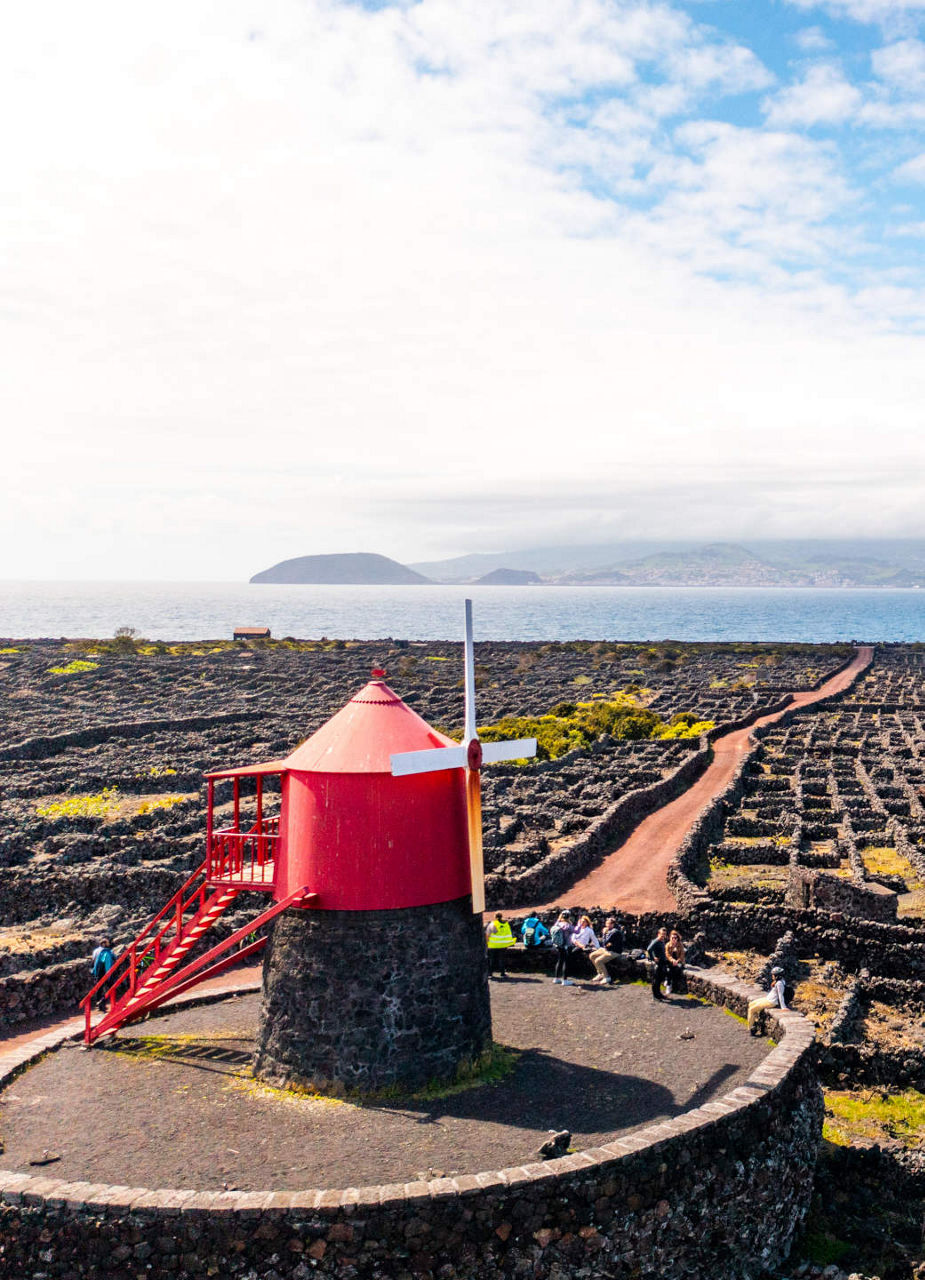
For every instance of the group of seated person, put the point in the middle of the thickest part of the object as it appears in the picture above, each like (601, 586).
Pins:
(565, 938)
(665, 954)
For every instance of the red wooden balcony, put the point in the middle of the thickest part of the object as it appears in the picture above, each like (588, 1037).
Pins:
(244, 859)
(242, 855)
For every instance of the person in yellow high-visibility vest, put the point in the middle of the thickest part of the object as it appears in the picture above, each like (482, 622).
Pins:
(499, 936)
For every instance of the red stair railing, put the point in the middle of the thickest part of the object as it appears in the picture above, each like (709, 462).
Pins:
(137, 957)
(195, 972)
(134, 1002)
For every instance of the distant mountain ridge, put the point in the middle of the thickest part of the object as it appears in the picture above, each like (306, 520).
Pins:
(784, 563)
(807, 563)
(357, 568)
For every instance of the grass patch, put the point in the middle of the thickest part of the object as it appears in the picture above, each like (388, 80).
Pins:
(491, 1067)
(494, 1065)
(885, 855)
(163, 802)
(883, 860)
(822, 1247)
(86, 806)
(10, 650)
(874, 1115)
(73, 668)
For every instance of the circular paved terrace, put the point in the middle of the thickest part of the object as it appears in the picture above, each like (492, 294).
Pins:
(172, 1101)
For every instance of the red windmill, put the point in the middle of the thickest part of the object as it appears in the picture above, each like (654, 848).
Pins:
(379, 829)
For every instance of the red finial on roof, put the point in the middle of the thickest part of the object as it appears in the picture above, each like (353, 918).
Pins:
(378, 673)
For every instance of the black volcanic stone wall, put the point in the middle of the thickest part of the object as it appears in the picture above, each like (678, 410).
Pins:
(716, 1193)
(360, 1000)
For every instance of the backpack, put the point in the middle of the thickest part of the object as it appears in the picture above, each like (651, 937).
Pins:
(559, 936)
(789, 993)
(530, 936)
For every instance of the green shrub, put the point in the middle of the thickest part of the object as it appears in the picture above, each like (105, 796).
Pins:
(578, 724)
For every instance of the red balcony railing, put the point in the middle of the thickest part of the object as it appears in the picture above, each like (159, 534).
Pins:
(245, 858)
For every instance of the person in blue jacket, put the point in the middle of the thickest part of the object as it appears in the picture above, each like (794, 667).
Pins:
(533, 932)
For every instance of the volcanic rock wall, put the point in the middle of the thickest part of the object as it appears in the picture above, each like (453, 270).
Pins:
(717, 1192)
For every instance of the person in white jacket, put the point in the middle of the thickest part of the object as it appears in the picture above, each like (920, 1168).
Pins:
(775, 999)
(584, 936)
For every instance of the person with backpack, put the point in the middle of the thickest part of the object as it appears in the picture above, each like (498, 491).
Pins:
(610, 948)
(101, 961)
(775, 999)
(534, 933)
(656, 951)
(561, 935)
(499, 936)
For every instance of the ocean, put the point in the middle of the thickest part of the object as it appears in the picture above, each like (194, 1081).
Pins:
(211, 610)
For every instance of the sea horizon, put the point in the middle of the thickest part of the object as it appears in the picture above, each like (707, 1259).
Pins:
(210, 610)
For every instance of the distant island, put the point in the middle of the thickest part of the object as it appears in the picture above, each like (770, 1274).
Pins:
(508, 578)
(352, 568)
(807, 563)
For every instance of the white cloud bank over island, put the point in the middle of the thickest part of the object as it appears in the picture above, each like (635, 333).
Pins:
(432, 277)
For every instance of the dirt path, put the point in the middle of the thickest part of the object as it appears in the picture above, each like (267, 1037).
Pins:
(632, 877)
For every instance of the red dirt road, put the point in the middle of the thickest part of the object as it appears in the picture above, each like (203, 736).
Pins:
(632, 878)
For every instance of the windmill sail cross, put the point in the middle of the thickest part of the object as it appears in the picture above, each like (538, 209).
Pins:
(510, 749)
(406, 763)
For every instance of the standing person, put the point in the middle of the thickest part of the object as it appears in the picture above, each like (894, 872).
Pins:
(533, 932)
(101, 961)
(561, 935)
(656, 951)
(775, 999)
(611, 946)
(499, 936)
(674, 953)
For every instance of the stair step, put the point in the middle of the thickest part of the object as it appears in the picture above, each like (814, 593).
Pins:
(152, 987)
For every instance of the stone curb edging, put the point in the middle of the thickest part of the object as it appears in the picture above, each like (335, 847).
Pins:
(722, 989)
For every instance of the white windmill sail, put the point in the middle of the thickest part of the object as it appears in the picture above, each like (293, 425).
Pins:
(471, 755)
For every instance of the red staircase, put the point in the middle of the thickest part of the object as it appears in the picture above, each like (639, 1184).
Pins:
(152, 969)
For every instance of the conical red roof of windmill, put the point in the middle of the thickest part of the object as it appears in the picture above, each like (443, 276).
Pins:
(363, 735)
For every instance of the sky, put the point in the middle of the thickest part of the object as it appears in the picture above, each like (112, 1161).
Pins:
(287, 277)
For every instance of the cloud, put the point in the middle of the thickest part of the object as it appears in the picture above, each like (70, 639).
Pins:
(278, 270)
(813, 40)
(824, 96)
(902, 65)
(912, 171)
(888, 13)
(745, 199)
